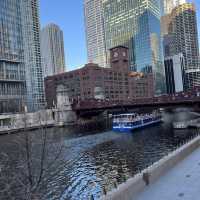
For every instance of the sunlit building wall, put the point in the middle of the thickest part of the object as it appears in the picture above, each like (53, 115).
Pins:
(169, 5)
(52, 48)
(95, 35)
(181, 27)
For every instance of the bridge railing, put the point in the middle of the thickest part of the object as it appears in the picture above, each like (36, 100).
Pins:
(93, 103)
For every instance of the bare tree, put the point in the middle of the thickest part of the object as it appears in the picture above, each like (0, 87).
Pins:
(36, 164)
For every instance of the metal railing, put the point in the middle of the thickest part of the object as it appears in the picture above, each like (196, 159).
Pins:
(142, 171)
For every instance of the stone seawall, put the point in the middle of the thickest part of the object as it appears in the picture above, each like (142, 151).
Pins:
(14, 123)
(135, 185)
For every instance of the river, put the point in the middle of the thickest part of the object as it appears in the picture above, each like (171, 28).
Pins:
(93, 163)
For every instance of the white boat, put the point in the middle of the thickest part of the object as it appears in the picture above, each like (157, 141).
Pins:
(130, 121)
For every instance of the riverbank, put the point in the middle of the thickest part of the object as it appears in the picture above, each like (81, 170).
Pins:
(8, 130)
(81, 126)
(95, 162)
(146, 184)
(182, 182)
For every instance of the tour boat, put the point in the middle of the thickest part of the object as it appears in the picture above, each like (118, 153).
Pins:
(130, 121)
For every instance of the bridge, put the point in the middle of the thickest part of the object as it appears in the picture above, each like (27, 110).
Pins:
(191, 98)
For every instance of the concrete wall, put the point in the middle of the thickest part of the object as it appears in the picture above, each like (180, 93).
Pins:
(135, 185)
(32, 119)
(65, 117)
(54, 117)
(28, 120)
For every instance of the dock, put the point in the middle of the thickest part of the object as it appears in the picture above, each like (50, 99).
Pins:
(195, 123)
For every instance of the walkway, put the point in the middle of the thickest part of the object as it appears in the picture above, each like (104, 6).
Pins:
(180, 183)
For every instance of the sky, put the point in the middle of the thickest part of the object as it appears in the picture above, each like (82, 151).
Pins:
(69, 15)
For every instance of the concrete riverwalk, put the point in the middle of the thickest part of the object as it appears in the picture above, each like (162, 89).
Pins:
(175, 176)
(180, 183)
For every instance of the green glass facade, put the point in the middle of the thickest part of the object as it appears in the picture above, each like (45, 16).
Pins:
(136, 24)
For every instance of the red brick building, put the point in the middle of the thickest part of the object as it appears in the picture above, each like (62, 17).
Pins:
(94, 82)
(140, 85)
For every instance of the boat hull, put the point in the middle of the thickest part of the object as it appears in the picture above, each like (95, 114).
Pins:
(131, 128)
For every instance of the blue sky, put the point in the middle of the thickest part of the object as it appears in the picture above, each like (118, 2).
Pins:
(68, 14)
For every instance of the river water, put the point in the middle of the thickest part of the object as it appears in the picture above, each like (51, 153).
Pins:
(93, 163)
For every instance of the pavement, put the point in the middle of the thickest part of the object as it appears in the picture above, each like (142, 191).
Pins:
(181, 183)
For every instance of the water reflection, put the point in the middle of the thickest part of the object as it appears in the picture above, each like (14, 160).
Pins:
(98, 161)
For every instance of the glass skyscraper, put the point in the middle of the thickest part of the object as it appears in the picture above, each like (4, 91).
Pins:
(181, 36)
(32, 54)
(20, 61)
(12, 66)
(136, 24)
(184, 23)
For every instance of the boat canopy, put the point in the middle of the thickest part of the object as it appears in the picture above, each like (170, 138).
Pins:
(125, 115)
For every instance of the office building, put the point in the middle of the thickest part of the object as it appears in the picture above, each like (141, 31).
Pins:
(181, 28)
(141, 85)
(94, 82)
(95, 35)
(12, 66)
(169, 5)
(174, 73)
(20, 60)
(32, 54)
(136, 24)
(169, 45)
(52, 49)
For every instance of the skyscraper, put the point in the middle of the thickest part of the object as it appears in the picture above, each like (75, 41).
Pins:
(136, 24)
(20, 61)
(12, 66)
(95, 35)
(174, 73)
(52, 48)
(169, 5)
(182, 29)
(32, 53)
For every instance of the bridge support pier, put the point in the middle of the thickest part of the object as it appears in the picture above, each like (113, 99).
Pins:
(65, 117)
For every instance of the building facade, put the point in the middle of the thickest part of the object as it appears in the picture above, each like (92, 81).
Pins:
(136, 24)
(174, 72)
(181, 28)
(108, 84)
(21, 80)
(141, 85)
(52, 48)
(169, 5)
(32, 54)
(95, 35)
(12, 65)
